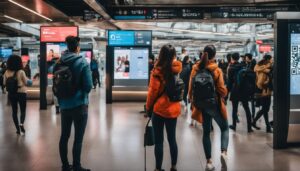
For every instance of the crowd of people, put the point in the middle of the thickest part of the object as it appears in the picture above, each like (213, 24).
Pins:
(209, 84)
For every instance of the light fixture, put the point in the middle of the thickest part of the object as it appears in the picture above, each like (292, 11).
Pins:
(12, 18)
(30, 10)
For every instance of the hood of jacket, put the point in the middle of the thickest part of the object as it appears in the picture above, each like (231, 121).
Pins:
(176, 69)
(70, 57)
(211, 66)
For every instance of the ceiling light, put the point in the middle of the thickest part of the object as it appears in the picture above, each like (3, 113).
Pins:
(12, 18)
(30, 10)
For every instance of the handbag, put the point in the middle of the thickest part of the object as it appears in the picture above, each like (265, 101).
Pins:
(149, 135)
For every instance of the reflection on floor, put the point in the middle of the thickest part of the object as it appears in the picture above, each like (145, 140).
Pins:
(114, 142)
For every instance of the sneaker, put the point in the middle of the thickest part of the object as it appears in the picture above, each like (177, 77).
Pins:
(18, 132)
(172, 169)
(22, 129)
(209, 167)
(224, 160)
(254, 126)
(81, 169)
(250, 130)
(232, 127)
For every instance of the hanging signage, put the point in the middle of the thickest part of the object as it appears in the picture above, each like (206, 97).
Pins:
(157, 13)
(129, 38)
(57, 34)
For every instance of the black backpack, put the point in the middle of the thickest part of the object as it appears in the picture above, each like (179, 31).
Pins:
(65, 85)
(12, 84)
(246, 82)
(204, 91)
(175, 89)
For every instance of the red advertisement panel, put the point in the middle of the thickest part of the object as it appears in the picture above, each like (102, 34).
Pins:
(57, 34)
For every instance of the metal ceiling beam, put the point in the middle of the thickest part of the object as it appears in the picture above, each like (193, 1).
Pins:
(100, 9)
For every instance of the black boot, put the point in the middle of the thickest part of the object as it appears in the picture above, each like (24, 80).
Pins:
(57, 109)
(22, 129)
(67, 168)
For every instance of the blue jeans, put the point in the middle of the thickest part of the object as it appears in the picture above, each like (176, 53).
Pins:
(79, 116)
(222, 123)
(158, 124)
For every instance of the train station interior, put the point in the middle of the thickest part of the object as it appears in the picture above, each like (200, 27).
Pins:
(121, 42)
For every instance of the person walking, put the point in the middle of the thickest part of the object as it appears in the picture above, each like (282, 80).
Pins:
(74, 105)
(264, 83)
(185, 76)
(2, 71)
(236, 95)
(250, 66)
(15, 81)
(165, 112)
(202, 110)
(95, 73)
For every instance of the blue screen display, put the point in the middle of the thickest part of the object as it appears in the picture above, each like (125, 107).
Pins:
(121, 38)
(5, 53)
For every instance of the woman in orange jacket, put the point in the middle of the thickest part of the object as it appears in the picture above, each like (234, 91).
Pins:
(165, 112)
(264, 82)
(219, 113)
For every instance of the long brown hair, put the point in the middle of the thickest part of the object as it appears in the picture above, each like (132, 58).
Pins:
(209, 53)
(165, 59)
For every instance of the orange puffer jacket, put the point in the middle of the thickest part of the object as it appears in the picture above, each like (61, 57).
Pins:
(220, 87)
(163, 106)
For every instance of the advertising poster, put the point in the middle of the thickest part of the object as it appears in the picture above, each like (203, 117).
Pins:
(131, 63)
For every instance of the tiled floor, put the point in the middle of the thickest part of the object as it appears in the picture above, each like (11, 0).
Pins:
(114, 142)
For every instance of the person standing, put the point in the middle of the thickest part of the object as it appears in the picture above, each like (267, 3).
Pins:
(165, 112)
(235, 93)
(205, 113)
(74, 109)
(264, 83)
(27, 69)
(16, 81)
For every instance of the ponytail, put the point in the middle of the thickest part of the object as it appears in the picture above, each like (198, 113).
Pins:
(204, 61)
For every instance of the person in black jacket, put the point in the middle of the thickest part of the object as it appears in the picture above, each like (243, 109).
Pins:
(185, 76)
(250, 65)
(235, 94)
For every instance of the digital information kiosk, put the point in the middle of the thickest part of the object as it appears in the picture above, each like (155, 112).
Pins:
(127, 65)
(52, 47)
(287, 80)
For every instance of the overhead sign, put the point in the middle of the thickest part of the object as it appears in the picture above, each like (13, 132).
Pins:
(91, 15)
(129, 38)
(157, 13)
(57, 34)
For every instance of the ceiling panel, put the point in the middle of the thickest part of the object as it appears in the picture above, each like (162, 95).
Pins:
(10, 9)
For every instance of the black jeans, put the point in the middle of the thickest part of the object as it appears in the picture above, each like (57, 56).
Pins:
(266, 103)
(96, 78)
(15, 100)
(186, 89)
(79, 116)
(235, 105)
(158, 123)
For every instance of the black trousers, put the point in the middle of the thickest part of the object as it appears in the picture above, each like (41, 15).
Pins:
(266, 103)
(235, 105)
(158, 123)
(96, 78)
(78, 116)
(17, 100)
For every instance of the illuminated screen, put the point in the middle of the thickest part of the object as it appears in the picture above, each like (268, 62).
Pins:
(131, 63)
(55, 50)
(129, 38)
(57, 34)
(5, 53)
(295, 63)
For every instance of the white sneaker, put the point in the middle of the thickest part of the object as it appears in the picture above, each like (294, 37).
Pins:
(224, 160)
(209, 167)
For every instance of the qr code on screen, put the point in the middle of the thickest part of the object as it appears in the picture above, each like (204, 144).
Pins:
(295, 60)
